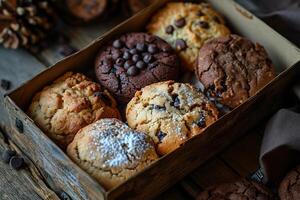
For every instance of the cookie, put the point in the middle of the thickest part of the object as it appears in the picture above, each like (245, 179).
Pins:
(111, 152)
(289, 188)
(232, 69)
(170, 113)
(68, 104)
(238, 190)
(133, 61)
(186, 27)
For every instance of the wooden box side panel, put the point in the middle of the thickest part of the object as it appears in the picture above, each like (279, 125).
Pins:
(58, 170)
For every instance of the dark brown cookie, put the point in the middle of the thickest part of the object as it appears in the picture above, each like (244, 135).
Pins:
(289, 188)
(133, 61)
(239, 190)
(232, 69)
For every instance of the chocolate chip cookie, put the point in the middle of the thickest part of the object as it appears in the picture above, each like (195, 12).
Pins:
(133, 61)
(68, 104)
(186, 27)
(170, 113)
(238, 190)
(111, 152)
(289, 188)
(232, 69)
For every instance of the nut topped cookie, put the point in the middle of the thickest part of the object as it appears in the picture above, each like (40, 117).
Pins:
(170, 113)
(68, 104)
(111, 152)
(289, 188)
(133, 61)
(186, 27)
(232, 69)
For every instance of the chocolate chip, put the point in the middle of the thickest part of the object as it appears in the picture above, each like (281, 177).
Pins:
(201, 121)
(147, 58)
(141, 47)
(180, 22)
(103, 96)
(157, 107)
(118, 44)
(126, 55)
(132, 71)
(16, 162)
(7, 154)
(133, 51)
(152, 48)
(140, 64)
(200, 13)
(169, 29)
(5, 84)
(160, 135)
(176, 101)
(180, 45)
(136, 57)
(66, 50)
(128, 64)
(113, 70)
(152, 65)
(119, 61)
(203, 24)
(216, 19)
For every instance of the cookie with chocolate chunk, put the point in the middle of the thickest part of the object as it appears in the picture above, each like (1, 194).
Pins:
(170, 113)
(232, 69)
(238, 190)
(186, 27)
(133, 61)
(289, 188)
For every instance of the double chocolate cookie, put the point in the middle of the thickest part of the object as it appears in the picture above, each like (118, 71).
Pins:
(186, 27)
(289, 188)
(133, 61)
(232, 69)
(239, 190)
(170, 113)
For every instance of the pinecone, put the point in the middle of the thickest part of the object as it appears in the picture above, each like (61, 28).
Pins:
(23, 23)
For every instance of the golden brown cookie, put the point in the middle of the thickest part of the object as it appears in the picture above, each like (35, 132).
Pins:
(68, 104)
(187, 26)
(170, 113)
(111, 152)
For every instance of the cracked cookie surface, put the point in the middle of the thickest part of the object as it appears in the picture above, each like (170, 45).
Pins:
(170, 113)
(111, 152)
(133, 61)
(238, 190)
(289, 188)
(68, 104)
(232, 69)
(186, 27)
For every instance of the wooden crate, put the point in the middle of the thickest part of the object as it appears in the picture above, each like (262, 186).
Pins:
(63, 175)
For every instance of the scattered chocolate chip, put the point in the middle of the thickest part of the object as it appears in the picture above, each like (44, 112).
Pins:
(117, 44)
(201, 121)
(160, 135)
(152, 48)
(200, 13)
(147, 58)
(119, 61)
(133, 51)
(136, 57)
(140, 64)
(169, 29)
(19, 125)
(180, 45)
(126, 55)
(157, 107)
(5, 84)
(132, 71)
(203, 24)
(141, 47)
(180, 22)
(216, 19)
(103, 96)
(176, 101)
(66, 50)
(7, 154)
(16, 162)
(128, 64)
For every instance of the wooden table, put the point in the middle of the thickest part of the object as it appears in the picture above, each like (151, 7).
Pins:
(18, 66)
